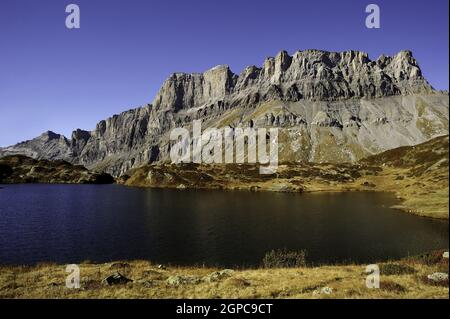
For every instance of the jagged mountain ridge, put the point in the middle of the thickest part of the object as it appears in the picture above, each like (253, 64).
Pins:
(329, 106)
(310, 74)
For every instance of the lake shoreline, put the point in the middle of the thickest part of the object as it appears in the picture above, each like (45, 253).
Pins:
(403, 207)
(432, 201)
(417, 175)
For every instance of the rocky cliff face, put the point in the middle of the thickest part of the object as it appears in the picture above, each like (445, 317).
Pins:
(329, 107)
(48, 145)
(311, 75)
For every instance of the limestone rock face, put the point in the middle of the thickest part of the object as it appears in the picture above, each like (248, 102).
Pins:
(328, 106)
(311, 74)
(48, 145)
(183, 91)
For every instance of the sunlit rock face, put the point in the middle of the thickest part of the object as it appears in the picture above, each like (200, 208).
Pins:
(328, 106)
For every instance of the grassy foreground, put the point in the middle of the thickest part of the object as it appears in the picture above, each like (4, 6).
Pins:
(406, 278)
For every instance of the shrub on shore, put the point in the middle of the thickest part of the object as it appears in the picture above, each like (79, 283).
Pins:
(283, 258)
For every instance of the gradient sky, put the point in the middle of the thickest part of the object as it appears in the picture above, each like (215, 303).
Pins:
(53, 78)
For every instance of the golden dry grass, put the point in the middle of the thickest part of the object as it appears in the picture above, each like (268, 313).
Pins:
(346, 281)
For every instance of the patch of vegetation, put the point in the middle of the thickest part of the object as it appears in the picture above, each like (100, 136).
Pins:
(429, 259)
(392, 269)
(430, 282)
(283, 258)
(392, 286)
(237, 282)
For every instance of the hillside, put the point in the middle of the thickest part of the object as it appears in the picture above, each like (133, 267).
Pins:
(416, 174)
(21, 169)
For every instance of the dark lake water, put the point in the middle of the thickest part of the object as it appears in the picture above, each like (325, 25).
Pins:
(74, 223)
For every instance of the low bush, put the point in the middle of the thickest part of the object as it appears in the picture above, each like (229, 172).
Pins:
(283, 258)
(396, 269)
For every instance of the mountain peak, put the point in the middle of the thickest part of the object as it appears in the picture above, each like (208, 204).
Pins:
(50, 135)
(309, 74)
(324, 103)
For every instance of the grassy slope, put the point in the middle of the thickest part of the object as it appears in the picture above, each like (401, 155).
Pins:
(22, 169)
(418, 175)
(402, 279)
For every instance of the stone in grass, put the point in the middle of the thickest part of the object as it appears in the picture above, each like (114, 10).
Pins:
(324, 290)
(218, 275)
(438, 277)
(445, 255)
(116, 279)
(182, 280)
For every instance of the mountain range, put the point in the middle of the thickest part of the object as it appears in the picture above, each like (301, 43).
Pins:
(330, 107)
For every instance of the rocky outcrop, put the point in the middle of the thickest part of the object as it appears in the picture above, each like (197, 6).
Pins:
(311, 74)
(329, 107)
(48, 145)
(21, 169)
(116, 279)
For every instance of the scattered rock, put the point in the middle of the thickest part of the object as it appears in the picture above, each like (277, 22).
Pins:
(116, 279)
(367, 184)
(227, 272)
(324, 290)
(438, 277)
(161, 267)
(182, 280)
(218, 275)
(445, 255)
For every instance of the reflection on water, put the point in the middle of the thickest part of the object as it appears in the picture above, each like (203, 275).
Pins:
(73, 223)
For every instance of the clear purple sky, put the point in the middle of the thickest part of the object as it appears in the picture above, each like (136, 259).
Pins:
(53, 78)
